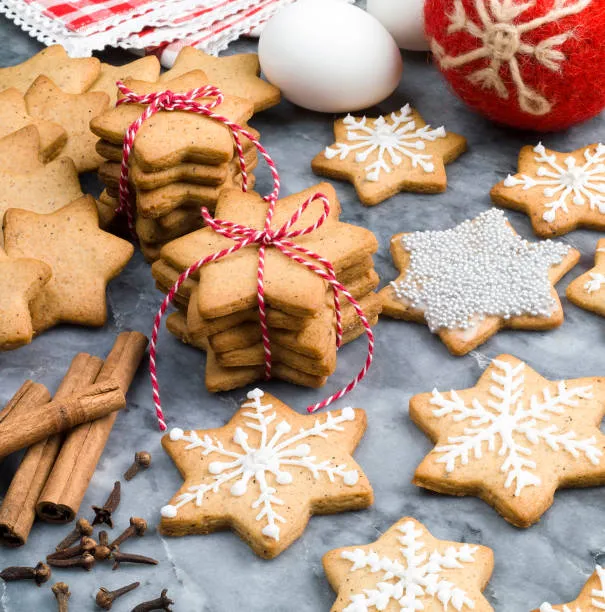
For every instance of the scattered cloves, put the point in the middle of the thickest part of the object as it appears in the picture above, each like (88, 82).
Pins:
(137, 527)
(62, 594)
(105, 598)
(82, 528)
(85, 561)
(103, 513)
(86, 545)
(142, 460)
(39, 574)
(161, 603)
(102, 550)
(119, 557)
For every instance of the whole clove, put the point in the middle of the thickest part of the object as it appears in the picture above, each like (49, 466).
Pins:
(105, 598)
(82, 528)
(62, 595)
(119, 557)
(103, 513)
(138, 527)
(102, 550)
(161, 603)
(39, 574)
(86, 545)
(142, 460)
(85, 561)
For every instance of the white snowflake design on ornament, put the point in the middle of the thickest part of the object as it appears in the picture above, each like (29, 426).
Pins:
(511, 423)
(569, 184)
(597, 597)
(417, 578)
(501, 36)
(394, 139)
(501, 273)
(278, 448)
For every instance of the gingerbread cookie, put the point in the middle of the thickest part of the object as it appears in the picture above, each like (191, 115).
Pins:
(72, 111)
(591, 598)
(559, 191)
(508, 282)
(389, 154)
(588, 290)
(513, 439)
(71, 75)
(265, 472)
(408, 569)
(20, 151)
(83, 259)
(235, 75)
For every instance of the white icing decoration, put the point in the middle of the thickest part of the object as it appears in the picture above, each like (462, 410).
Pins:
(508, 421)
(416, 580)
(397, 138)
(255, 466)
(597, 597)
(479, 268)
(569, 184)
(595, 283)
(503, 43)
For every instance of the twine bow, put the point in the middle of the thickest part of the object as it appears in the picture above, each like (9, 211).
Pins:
(281, 238)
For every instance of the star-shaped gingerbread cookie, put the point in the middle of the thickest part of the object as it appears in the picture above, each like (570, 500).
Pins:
(588, 291)
(592, 597)
(74, 112)
(468, 282)
(235, 75)
(83, 259)
(388, 154)
(559, 191)
(513, 439)
(73, 75)
(265, 472)
(409, 569)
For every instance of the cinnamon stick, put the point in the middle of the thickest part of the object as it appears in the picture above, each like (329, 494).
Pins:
(92, 403)
(66, 486)
(18, 509)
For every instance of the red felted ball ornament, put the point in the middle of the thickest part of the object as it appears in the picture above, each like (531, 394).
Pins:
(531, 64)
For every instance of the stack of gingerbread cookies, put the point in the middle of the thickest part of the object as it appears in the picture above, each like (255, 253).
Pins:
(219, 306)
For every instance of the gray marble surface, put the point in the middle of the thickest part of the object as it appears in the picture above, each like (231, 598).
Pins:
(218, 573)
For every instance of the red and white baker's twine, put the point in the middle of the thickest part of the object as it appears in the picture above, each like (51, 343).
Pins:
(241, 235)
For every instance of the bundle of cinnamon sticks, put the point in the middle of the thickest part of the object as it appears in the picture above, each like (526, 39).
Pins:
(64, 437)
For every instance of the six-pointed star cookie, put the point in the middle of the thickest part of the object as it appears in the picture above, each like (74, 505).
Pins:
(559, 191)
(513, 439)
(588, 291)
(265, 472)
(590, 599)
(74, 112)
(169, 138)
(289, 286)
(468, 282)
(236, 75)
(389, 154)
(408, 569)
(73, 75)
(83, 259)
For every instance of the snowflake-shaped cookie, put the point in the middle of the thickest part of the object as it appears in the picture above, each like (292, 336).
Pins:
(407, 569)
(504, 46)
(513, 439)
(469, 281)
(591, 598)
(559, 191)
(588, 291)
(265, 472)
(385, 155)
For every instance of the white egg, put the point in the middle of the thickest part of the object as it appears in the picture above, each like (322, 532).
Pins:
(404, 19)
(329, 56)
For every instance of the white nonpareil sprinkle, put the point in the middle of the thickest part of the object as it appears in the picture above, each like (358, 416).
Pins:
(479, 268)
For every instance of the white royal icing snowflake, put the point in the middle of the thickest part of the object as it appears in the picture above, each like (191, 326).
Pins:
(501, 36)
(508, 422)
(595, 283)
(597, 597)
(277, 450)
(397, 139)
(408, 583)
(479, 268)
(570, 184)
